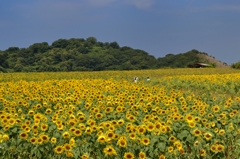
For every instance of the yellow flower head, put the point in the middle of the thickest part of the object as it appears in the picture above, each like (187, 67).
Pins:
(110, 151)
(59, 149)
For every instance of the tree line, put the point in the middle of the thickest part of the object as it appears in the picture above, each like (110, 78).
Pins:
(79, 54)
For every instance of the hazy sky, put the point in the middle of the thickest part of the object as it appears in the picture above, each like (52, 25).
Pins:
(159, 27)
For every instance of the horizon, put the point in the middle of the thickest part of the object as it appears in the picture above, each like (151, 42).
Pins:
(157, 27)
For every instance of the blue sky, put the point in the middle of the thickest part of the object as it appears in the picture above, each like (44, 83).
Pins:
(158, 27)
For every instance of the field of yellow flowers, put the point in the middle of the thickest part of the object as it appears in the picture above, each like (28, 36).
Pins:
(179, 114)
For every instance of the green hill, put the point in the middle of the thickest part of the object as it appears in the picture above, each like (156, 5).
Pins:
(78, 54)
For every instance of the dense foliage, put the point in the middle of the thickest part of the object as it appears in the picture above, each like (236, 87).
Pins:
(236, 65)
(87, 55)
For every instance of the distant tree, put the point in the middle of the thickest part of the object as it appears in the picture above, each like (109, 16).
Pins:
(114, 45)
(3, 59)
(236, 65)
(61, 43)
(39, 47)
(92, 40)
(124, 48)
(12, 49)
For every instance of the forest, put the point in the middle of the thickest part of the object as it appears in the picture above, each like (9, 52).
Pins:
(79, 54)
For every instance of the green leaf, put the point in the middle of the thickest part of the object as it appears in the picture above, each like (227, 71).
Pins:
(183, 134)
(14, 130)
(162, 146)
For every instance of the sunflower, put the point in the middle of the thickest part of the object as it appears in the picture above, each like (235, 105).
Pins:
(157, 132)
(36, 121)
(72, 142)
(172, 138)
(177, 143)
(213, 148)
(5, 137)
(132, 136)
(67, 147)
(163, 129)
(72, 122)
(66, 135)
(99, 115)
(23, 126)
(35, 132)
(189, 117)
(110, 134)
(108, 110)
(44, 127)
(220, 148)
(111, 128)
(231, 114)
(197, 119)
(88, 130)
(81, 118)
(208, 136)
(157, 125)
(44, 137)
(197, 132)
(110, 151)
(145, 141)
(12, 121)
(235, 111)
(39, 140)
(196, 143)
(202, 152)
(116, 136)
(141, 129)
(33, 140)
(119, 109)
(27, 129)
(53, 140)
(162, 156)
(223, 122)
(77, 132)
(128, 128)
(82, 126)
(6, 127)
(142, 155)
(221, 132)
(35, 127)
(84, 156)
(59, 149)
(128, 155)
(72, 129)
(120, 122)
(48, 111)
(102, 139)
(215, 108)
(31, 112)
(170, 149)
(23, 135)
(150, 126)
(132, 118)
(122, 142)
(37, 116)
(191, 124)
(204, 120)
(181, 150)
(69, 154)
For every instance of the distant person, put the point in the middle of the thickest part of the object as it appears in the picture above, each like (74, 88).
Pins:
(148, 79)
(135, 79)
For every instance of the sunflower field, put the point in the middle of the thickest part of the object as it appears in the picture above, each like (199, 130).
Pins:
(177, 114)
